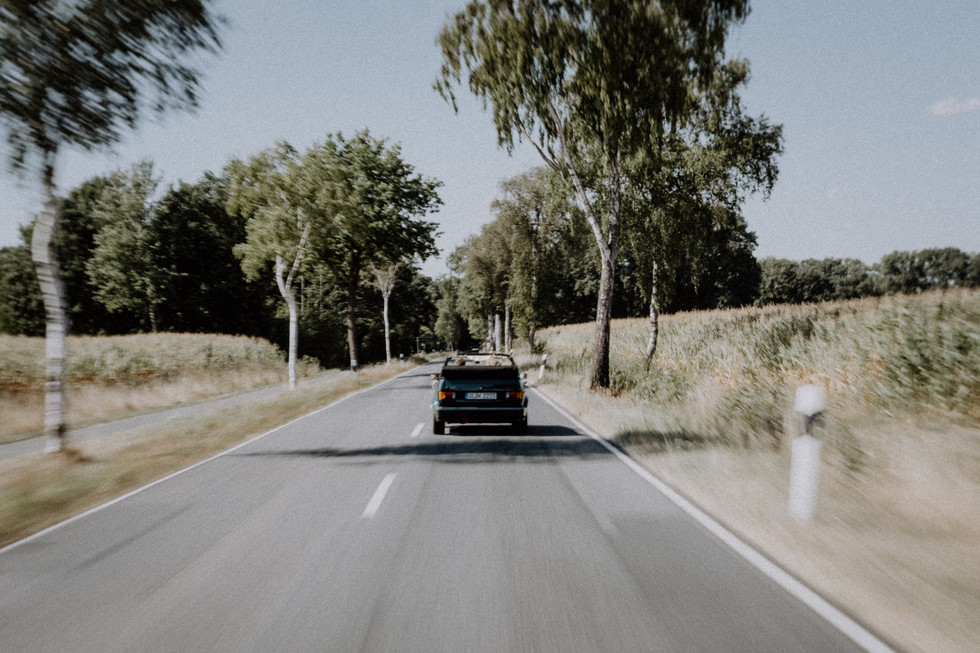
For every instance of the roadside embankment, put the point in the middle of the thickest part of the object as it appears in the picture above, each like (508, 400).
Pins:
(896, 538)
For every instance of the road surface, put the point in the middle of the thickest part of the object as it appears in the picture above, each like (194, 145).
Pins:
(357, 529)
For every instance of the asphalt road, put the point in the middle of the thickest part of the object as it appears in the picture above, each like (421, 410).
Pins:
(356, 529)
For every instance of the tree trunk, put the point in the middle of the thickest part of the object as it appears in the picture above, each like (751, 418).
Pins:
(603, 315)
(532, 317)
(352, 283)
(385, 296)
(45, 257)
(497, 335)
(507, 338)
(285, 289)
(654, 319)
(489, 341)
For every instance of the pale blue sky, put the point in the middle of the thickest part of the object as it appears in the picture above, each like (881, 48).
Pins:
(880, 103)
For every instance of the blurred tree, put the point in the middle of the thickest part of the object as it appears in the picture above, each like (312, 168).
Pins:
(78, 74)
(590, 84)
(900, 272)
(21, 308)
(946, 267)
(780, 282)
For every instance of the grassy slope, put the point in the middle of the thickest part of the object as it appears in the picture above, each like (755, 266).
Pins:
(897, 539)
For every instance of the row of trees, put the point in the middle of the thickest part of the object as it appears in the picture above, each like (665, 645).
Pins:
(203, 257)
(534, 265)
(817, 280)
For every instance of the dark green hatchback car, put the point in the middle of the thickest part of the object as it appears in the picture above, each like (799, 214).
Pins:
(479, 389)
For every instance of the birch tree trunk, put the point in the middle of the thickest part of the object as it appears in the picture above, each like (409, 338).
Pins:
(608, 248)
(352, 282)
(285, 289)
(507, 339)
(45, 258)
(496, 333)
(654, 319)
(385, 296)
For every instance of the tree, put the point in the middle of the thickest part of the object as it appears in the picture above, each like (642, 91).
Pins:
(683, 198)
(450, 324)
(203, 286)
(589, 83)
(123, 271)
(780, 282)
(270, 191)
(375, 201)
(532, 215)
(78, 74)
(21, 309)
(383, 278)
(76, 243)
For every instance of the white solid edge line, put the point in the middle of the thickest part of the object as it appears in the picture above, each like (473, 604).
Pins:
(91, 511)
(852, 629)
(379, 496)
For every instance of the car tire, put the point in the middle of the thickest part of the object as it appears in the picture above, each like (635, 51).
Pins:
(520, 428)
(438, 427)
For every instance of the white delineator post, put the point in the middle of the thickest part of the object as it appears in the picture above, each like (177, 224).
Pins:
(804, 476)
(544, 359)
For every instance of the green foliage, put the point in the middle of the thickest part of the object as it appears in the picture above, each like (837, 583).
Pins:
(269, 191)
(80, 223)
(122, 271)
(78, 73)
(915, 272)
(21, 310)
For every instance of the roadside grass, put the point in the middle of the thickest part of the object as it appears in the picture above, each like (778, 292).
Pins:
(896, 539)
(39, 490)
(113, 376)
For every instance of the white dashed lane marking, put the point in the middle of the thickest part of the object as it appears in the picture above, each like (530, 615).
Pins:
(379, 496)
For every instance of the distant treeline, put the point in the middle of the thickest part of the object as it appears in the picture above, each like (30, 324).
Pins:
(812, 280)
(168, 264)
(133, 264)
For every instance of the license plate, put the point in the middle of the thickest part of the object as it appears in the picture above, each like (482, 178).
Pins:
(481, 395)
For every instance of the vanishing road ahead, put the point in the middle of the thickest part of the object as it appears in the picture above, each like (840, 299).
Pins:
(356, 529)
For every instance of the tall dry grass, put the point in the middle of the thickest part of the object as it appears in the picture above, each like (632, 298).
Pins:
(727, 377)
(896, 538)
(119, 375)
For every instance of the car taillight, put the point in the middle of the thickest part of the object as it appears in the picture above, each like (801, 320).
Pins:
(445, 394)
(516, 395)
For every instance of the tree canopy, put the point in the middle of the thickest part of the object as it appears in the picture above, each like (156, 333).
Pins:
(590, 84)
(80, 73)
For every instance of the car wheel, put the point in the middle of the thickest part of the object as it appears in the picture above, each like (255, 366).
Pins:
(438, 427)
(521, 427)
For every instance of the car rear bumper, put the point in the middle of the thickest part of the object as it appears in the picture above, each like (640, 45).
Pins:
(482, 415)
